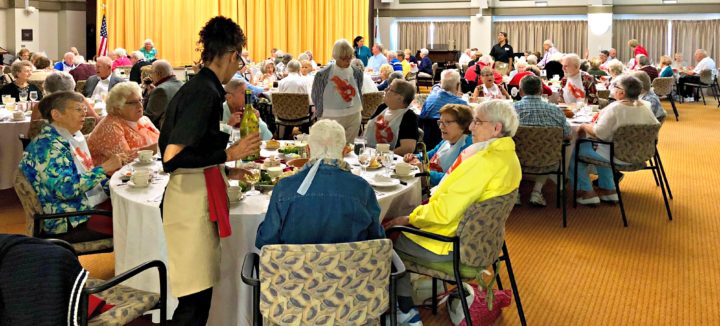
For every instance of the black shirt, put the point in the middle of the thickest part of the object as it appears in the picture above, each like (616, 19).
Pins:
(13, 90)
(135, 71)
(502, 53)
(193, 119)
(408, 127)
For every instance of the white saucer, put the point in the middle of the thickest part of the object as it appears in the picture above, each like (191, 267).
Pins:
(133, 185)
(139, 162)
(383, 184)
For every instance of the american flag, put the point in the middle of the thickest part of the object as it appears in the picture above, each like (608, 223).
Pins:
(102, 49)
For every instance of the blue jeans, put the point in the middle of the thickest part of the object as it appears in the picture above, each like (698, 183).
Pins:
(605, 174)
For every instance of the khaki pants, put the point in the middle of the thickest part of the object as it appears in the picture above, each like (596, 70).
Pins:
(351, 123)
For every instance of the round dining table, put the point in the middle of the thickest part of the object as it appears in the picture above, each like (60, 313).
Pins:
(139, 237)
(11, 149)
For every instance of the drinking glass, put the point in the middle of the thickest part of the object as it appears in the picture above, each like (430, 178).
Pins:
(359, 145)
(6, 99)
(23, 95)
(364, 158)
(33, 96)
(252, 178)
(387, 161)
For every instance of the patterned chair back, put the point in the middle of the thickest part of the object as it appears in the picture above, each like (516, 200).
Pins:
(635, 144)
(420, 99)
(290, 106)
(605, 94)
(28, 199)
(125, 70)
(38, 84)
(35, 127)
(145, 72)
(663, 85)
(706, 77)
(539, 147)
(370, 102)
(88, 125)
(482, 230)
(80, 86)
(325, 284)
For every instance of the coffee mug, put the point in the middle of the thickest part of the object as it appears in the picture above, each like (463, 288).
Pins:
(233, 193)
(403, 169)
(382, 148)
(141, 178)
(274, 171)
(145, 156)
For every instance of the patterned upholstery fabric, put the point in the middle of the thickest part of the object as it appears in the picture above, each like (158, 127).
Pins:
(603, 94)
(325, 284)
(481, 232)
(80, 86)
(603, 102)
(31, 206)
(420, 99)
(371, 101)
(129, 304)
(89, 125)
(663, 85)
(539, 148)
(38, 84)
(634, 144)
(35, 127)
(290, 108)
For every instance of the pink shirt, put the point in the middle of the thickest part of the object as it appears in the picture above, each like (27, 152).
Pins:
(121, 62)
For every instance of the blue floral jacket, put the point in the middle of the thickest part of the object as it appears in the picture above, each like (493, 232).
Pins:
(48, 165)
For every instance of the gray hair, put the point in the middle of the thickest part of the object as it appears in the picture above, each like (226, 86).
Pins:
(424, 51)
(137, 55)
(263, 67)
(404, 88)
(450, 80)
(17, 67)
(58, 81)
(303, 56)
(235, 84)
(643, 60)
(502, 112)
(357, 63)
(702, 51)
(486, 59)
(342, 49)
(121, 52)
(643, 78)
(548, 42)
(118, 95)
(532, 59)
(631, 86)
(326, 140)
(531, 85)
(162, 68)
(293, 66)
(615, 67)
(57, 101)
(572, 58)
(395, 75)
(392, 55)
(380, 47)
(149, 41)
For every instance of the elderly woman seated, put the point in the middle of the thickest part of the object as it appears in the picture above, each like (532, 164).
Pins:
(385, 71)
(301, 200)
(648, 95)
(125, 130)
(626, 110)
(267, 73)
(487, 87)
(58, 165)
(454, 126)
(21, 71)
(615, 69)
(576, 85)
(666, 69)
(60, 81)
(488, 168)
(398, 124)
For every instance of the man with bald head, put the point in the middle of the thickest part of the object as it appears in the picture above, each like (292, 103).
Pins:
(166, 85)
(103, 81)
(67, 64)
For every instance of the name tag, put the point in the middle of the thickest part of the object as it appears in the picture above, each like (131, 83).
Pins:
(507, 49)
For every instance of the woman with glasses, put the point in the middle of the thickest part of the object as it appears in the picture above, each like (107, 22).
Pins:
(398, 124)
(60, 169)
(125, 130)
(488, 88)
(454, 123)
(486, 169)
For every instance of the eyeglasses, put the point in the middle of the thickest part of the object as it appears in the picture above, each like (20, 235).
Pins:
(133, 103)
(444, 123)
(80, 108)
(238, 57)
(478, 121)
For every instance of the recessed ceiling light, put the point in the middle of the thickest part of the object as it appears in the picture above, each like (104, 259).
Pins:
(541, 4)
(669, 2)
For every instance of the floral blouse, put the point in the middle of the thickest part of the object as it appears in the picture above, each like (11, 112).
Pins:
(114, 135)
(48, 165)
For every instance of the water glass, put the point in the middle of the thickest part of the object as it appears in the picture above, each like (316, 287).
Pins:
(364, 158)
(387, 159)
(23, 95)
(359, 145)
(252, 178)
(33, 96)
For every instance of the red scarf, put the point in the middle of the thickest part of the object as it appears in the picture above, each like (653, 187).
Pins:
(576, 92)
(218, 200)
(383, 132)
(85, 159)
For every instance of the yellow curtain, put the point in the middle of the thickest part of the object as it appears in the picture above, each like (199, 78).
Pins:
(293, 26)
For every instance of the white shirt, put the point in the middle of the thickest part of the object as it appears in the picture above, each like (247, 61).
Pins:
(334, 105)
(576, 81)
(464, 59)
(293, 83)
(616, 115)
(706, 63)
(369, 85)
(102, 86)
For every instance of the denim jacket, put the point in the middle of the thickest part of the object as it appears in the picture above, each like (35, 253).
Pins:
(338, 207)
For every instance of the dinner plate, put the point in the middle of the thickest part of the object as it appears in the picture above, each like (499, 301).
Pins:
(388, 183)
(139, 162)
(133, 185)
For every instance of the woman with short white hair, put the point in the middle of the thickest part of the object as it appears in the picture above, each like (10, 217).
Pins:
(300, 200)
(425, 65)
(60, 81)
(120, 59)
(125, 130)
(148, 50)
(337, 91)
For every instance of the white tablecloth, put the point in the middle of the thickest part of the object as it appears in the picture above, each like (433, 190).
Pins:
(10, 148)
(139, 237)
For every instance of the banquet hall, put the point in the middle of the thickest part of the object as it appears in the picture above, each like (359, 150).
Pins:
(353, 162)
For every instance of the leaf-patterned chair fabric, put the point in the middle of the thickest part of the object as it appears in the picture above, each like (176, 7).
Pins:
(290, 108)
(31, 206)
(80, 86)
(325, 284)
(663, 86)
(35, 127)
(482, 234)
(88, 125)
(539, 149)
(634, 144)
(129, 304)
(370, 102)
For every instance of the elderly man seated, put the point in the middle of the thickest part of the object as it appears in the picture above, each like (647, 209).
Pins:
(67, 64)
(692, 75)
(164, 86)
(293, 83)
(430, 113)
(397, 125)
(577, 85)
(302, 200)
(235, 104)
(138, 61)
(103, 81)
(378, 58)
(533, 111)
(644, 65)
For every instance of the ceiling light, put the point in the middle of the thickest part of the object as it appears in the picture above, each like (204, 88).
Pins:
(541, 4)
(669, 2)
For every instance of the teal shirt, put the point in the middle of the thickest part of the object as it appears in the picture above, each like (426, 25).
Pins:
(149, 55)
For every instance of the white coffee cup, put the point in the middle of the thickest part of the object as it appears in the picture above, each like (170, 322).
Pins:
(141, 178)
(274, 171)
(233, 193)
(382, 148)
(145, 156)
(18, 115)
(403, 169)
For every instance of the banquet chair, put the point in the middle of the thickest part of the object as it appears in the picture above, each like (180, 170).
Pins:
(663, 86)
(420, 99)
(537, 150)
(34, 217)
(38, 84)
(145, 72)
(35, 127)
(88, 125)
(323, 284)
(128, 303)
(290, 110)
(24, 140)
(370, 103)
(426, 81)
(80, 86)
(706, 81)
(477, 243)
(634, 144)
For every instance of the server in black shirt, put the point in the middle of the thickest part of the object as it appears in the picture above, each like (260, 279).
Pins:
(502, 54)
(193, 148)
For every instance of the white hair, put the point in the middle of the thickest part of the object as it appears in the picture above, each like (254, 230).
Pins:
(121, 52)
(119, 94)
(326, 140)
(162, 68)
(450, 80)
(424, 51)
(293, 66)
(149, 41)
(137, 55)
(557, 56)
(502, 112)
(486, 59)
(532, 59)
(548, 42)
(615, 67)
(520, 62)
(572, 58)
(342, 49)
(391, 55)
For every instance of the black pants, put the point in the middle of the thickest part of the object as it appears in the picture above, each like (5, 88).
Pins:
(686, 79)
(193, 309)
